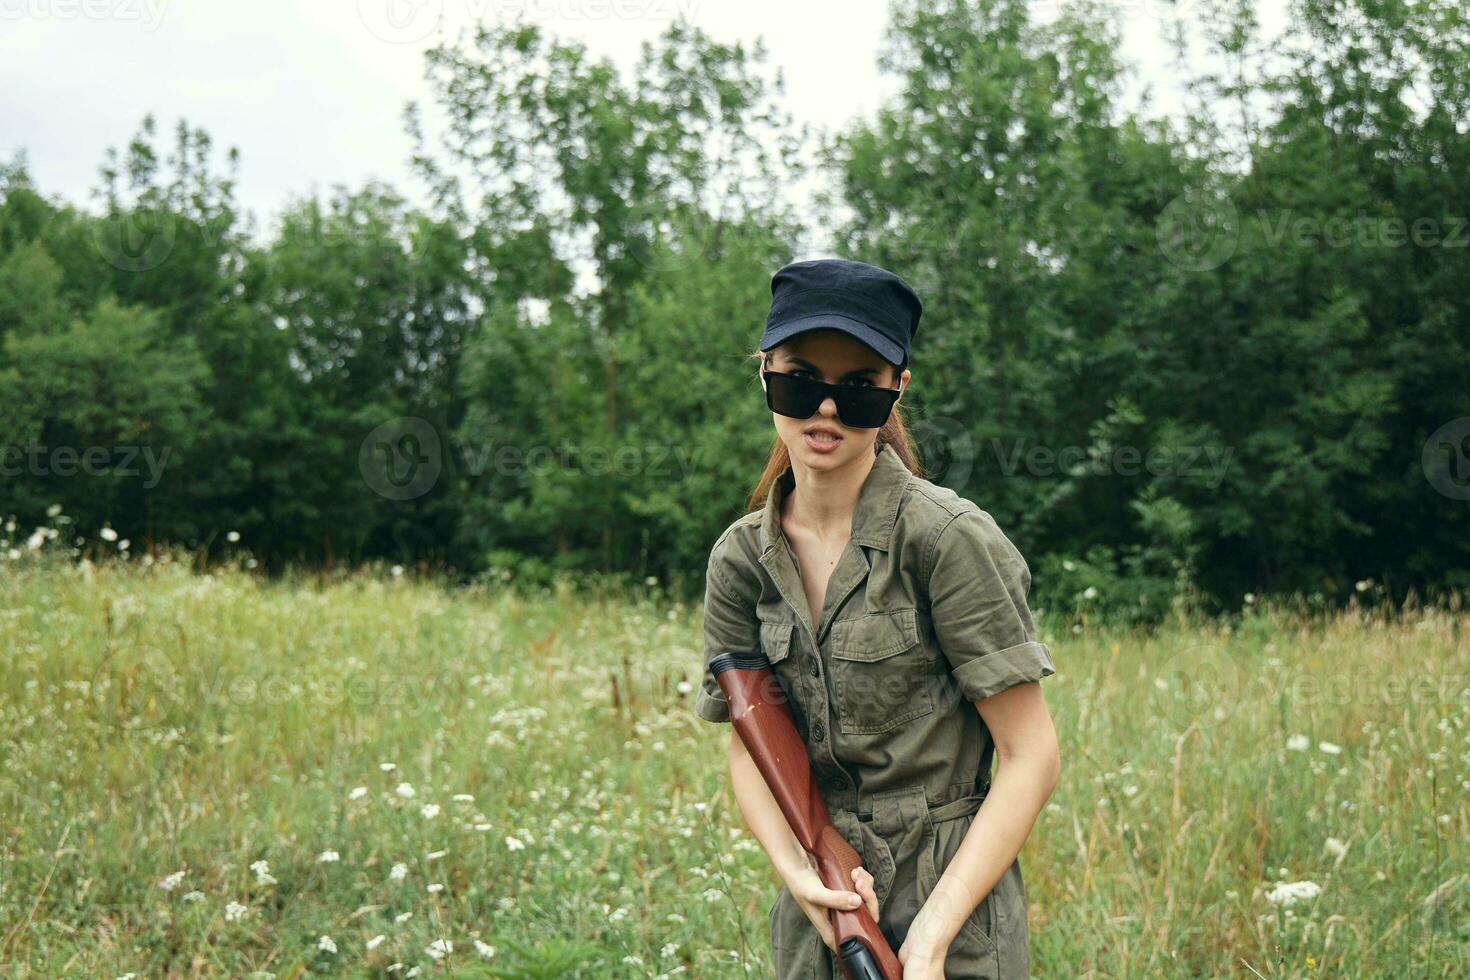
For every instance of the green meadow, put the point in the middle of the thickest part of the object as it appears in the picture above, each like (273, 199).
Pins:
(375, 775)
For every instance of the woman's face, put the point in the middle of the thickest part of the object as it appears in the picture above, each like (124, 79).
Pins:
(822, 441)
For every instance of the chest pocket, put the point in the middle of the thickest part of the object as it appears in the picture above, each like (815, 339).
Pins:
(881, 673)
(776, 645)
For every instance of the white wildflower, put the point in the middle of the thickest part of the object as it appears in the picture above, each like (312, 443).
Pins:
(438, 948)
(404, 790)
(234, 912)
(1298, 743)
(327, 857)
(399, 872)
(171, 882)
(325, 943)
(1289, 893)
(429, 810)
(374, 942)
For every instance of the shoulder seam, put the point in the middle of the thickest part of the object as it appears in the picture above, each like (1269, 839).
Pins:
(930, 552)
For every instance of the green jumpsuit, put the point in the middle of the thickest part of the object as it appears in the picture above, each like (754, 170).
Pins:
(925, 614)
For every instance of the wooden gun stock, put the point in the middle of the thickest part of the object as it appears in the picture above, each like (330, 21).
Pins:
(762, 719)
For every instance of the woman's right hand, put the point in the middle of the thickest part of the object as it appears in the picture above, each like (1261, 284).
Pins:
(815, 898)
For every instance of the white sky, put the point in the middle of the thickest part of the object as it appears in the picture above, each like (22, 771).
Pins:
(312, 91)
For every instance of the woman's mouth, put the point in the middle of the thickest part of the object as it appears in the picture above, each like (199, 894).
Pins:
(821, 441)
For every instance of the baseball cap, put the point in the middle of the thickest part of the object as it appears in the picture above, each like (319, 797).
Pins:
(868, 302)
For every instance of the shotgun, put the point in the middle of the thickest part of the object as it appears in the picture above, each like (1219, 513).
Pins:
(762, 718)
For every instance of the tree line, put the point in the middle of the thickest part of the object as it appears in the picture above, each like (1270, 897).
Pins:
(1222, 351)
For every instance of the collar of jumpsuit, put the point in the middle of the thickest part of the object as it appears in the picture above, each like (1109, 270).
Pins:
(873, 519)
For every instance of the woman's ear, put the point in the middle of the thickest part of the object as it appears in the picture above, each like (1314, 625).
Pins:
(903, 385)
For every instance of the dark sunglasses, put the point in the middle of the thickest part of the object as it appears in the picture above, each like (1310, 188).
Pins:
(858, 406)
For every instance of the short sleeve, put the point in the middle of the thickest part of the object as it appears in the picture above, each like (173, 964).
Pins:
(730, 624)
(978, 584)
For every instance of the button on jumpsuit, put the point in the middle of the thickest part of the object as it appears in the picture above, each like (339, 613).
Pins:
(925, 613)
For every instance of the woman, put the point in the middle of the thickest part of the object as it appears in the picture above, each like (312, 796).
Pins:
(894, 614)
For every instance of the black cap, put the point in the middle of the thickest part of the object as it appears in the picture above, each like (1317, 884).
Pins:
(872, 304)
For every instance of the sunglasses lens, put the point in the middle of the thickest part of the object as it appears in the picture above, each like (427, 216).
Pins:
(865, 408)
(791, 396)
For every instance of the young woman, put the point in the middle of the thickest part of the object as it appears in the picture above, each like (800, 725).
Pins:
(894, 614)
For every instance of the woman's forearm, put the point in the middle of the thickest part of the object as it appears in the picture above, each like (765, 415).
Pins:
(762, 813)
(1021, 788)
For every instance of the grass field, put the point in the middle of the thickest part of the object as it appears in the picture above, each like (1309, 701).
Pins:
(209, 775)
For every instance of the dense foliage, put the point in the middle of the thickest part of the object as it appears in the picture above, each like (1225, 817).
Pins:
(1228, 350)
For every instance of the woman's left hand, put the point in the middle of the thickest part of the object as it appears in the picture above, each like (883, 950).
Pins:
(921, 964)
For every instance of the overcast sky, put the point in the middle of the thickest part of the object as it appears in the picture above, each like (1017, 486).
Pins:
(312, 91)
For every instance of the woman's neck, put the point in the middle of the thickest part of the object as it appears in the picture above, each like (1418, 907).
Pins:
(823, 501)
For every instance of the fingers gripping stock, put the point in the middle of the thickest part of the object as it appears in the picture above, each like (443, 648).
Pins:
(762, 718)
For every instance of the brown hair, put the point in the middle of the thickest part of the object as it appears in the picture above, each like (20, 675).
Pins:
(894, 434)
